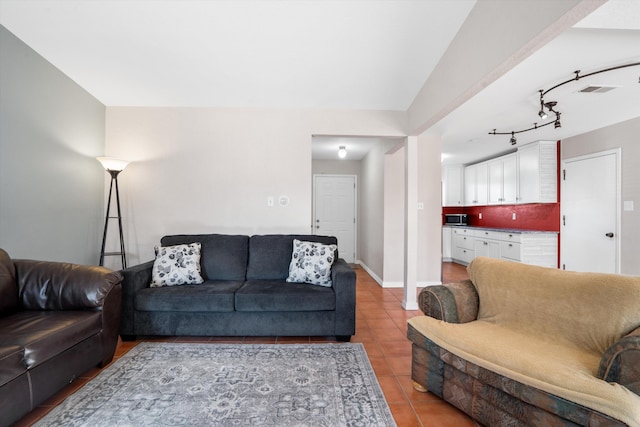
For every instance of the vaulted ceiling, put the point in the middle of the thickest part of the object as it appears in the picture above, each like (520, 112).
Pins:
(326, 54)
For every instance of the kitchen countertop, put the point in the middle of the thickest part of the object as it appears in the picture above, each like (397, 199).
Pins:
(504, 230)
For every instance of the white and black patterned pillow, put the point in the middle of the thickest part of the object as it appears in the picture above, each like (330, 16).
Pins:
(311, 263)
(176, 265)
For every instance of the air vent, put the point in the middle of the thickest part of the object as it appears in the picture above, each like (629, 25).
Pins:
(597, 89)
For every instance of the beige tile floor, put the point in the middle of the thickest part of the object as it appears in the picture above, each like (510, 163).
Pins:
(380, 327)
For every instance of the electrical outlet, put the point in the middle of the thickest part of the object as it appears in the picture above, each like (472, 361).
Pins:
(420, 205)
(513, 216)
(480, 215)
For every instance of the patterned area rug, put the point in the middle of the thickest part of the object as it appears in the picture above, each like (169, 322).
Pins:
(169, 384)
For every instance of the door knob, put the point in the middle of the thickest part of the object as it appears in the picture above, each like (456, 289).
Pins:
(609, 234)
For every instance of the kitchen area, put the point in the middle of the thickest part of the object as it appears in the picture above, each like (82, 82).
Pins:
(506, 207)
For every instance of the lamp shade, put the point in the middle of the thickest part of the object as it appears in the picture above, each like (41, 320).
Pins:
(112, 164)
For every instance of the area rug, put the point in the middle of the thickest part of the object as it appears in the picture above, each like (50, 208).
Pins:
(171, 384)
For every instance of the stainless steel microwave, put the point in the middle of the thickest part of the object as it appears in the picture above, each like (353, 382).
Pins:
(455, 219)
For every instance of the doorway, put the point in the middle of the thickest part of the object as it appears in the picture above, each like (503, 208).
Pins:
(590, 213)
(334, 211)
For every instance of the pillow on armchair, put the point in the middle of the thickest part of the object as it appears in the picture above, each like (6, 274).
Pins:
(176, 265)
(311, 263)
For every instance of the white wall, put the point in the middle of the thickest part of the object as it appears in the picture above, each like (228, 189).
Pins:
(210, 170)
(625, 135)
(394, 216)
(51, 185)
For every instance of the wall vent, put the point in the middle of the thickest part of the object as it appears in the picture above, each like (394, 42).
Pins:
(597, 89)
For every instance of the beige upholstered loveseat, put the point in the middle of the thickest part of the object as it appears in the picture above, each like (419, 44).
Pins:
(525, 345)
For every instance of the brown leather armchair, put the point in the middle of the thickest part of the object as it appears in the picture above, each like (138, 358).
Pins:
(57, 320)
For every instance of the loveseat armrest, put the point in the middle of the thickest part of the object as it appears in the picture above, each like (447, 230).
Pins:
(621, 362)
(343, 280)
(455, 302)
(135, 278)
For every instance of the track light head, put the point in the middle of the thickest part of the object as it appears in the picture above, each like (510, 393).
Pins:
(513, 139)
(542, 114)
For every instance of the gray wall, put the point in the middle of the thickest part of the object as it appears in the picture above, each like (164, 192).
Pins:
(51, 186)
(625, 135)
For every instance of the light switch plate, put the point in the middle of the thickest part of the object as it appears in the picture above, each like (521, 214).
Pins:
(628, 205)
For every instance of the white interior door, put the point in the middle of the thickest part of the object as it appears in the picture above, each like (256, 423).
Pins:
(589, 221)
(335, 211)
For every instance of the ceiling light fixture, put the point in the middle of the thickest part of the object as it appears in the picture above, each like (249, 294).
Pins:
(342, 152)
(551, 105)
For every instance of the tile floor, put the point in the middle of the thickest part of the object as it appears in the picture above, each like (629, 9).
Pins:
(380, 327)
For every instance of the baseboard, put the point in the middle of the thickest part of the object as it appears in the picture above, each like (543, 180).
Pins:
(389, 284)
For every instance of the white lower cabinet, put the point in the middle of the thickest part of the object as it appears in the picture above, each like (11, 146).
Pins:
(529, 247)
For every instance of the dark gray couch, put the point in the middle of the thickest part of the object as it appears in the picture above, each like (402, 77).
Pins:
(244, 293)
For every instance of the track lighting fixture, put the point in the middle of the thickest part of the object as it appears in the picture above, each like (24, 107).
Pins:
(550, 106)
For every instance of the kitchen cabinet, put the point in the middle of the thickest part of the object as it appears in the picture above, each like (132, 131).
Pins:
(447, 244)
(452, 185)
(503, 180)
(476, 184)
(529, 247)
(463, 243)
(538, 172)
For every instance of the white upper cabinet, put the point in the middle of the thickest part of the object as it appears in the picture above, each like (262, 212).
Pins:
(538, 172)
(476, 184)
(530, 175)
(452, 194)
(503, 179)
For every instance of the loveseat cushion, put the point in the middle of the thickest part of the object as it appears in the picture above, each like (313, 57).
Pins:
(210, 296)
(270, 255)
(45, 334)
(278, 295)
(11, 363)
(222, 257)
(8, 285)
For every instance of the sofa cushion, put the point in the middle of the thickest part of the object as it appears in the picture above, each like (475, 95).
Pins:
(590, 311)
(311, 263)
(45, 334)
(270, 255)
(176, 265)
(8, 285)
(11, 363)
(278, 295)
(210, 296)
(222, 257)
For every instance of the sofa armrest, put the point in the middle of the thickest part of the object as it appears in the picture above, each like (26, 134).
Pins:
(47, 285)
(343, 280)
(621, 362)
(135, 278)
(455, 302)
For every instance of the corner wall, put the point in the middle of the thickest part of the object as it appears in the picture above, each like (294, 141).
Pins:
(51, 185)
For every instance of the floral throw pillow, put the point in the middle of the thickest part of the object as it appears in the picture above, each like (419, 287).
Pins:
(311, 263)
(176, 265)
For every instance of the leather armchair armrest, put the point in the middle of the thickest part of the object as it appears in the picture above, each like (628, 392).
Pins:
(135, 278)
(47, 285)
(343, 280)
(621, 362)
(455, 302)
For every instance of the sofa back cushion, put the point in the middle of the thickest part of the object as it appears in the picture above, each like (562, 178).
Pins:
(270, 255)
(222, 256)
(588, 310)
(8, 285)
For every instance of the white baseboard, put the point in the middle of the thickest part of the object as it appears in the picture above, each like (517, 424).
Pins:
(389, 284)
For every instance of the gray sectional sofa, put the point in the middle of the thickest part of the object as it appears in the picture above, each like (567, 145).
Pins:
(244, 293)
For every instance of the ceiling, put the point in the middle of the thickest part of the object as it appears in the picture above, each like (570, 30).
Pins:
(346, 54)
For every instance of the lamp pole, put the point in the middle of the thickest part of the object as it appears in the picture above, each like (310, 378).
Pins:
(114, 167)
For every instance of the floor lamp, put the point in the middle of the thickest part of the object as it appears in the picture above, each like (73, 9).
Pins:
(114, 167)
